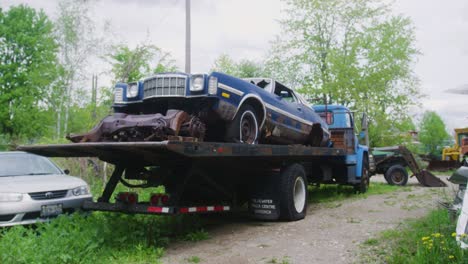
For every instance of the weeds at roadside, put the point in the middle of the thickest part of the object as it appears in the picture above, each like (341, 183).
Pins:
(333, 193)
(196, 236)
(193, 259)
(284, 260)
(427, 240)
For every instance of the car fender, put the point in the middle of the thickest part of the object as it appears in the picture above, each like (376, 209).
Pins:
(260, 101)
(361, 152)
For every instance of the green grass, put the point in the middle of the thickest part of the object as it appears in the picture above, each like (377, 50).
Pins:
(426, 240)
(334, 193)
(97, 238)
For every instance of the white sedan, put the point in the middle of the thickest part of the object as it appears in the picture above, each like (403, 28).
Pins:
(33, 189)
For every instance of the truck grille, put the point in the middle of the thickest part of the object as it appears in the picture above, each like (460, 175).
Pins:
(48, 195)
(161, 86)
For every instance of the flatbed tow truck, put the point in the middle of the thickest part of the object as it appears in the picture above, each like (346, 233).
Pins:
(208, 177)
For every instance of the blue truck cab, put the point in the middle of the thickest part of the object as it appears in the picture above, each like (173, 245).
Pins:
(355, 168)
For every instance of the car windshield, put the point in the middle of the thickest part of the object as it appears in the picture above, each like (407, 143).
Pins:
(19, 164)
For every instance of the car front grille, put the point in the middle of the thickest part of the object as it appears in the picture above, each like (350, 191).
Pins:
(6, 218)
(160, 86)
(48, 195)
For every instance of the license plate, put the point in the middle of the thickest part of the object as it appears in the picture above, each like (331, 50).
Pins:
(51, 210)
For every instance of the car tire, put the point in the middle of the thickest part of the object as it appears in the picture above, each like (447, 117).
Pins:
(293, 193)
(244, 128)
(396, 175)
(363, 185)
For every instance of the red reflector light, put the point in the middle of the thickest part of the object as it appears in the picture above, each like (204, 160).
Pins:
(164, 199)
(155, 199)
(128, 197)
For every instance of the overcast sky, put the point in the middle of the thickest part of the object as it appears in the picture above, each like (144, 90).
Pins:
(243, 29)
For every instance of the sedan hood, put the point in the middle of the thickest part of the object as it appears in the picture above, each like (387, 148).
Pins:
(39, 183)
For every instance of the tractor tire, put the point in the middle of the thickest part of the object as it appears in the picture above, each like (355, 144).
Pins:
(396, 175)
(293, 193)
(244, 128)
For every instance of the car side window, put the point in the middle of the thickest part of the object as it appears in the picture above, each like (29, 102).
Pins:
(285, 94)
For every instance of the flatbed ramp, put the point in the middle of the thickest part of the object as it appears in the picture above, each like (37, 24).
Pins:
(149, 152)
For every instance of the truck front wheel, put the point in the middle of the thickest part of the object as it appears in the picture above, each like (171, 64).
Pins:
(396, 175)
(363, 185)
(293, 193)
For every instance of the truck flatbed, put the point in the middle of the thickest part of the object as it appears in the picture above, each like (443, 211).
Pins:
(149, 152)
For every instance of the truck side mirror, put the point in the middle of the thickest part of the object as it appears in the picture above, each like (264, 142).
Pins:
(364, 124)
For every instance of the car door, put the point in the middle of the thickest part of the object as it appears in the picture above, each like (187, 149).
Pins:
(292, 122)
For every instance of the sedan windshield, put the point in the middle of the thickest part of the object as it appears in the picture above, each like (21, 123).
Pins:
(19, 164)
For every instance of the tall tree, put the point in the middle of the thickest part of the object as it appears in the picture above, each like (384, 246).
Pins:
(433, 133)
(27, 70)
(132, 64)
(355, 52)
(242, 69)
(75, 32)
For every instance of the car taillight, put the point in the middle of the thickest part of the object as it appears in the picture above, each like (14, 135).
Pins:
(128, 197)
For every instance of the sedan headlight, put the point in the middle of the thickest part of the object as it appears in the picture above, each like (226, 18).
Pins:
(11, 197)
(132, 90)
(197, 83)
(82, 190)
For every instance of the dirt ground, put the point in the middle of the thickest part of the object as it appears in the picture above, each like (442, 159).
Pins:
(331, 233)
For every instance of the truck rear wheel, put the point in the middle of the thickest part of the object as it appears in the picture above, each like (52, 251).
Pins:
(293, 193)
(396, 175)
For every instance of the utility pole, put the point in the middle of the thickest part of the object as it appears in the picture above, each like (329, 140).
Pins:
(187, 36)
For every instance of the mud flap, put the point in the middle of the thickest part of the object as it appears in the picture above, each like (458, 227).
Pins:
(264, 197)
(429, 180)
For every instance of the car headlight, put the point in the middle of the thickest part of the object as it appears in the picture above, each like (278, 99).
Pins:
(118, 95)
(11, 197)
(132, 90)
(197, 83)
(82, 190)
(213, 85)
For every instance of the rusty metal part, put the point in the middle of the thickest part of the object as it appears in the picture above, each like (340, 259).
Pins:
(405, 157)
(154, 127)
(443, 165)
(429, 180)
(424, 177)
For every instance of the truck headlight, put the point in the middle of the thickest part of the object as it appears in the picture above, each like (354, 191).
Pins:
(118, 95)
(11, 197)
(82, 190)
(132, 90)
(213, 85)
(197, 83)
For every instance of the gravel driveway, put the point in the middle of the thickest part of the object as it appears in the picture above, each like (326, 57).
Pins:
(331, 233)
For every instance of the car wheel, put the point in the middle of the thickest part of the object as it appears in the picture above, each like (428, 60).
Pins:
(293, 193)
(363, 185)
(244, 127)
(396, 175)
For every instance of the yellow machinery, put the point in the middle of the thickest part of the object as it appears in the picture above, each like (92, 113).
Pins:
(460, 149)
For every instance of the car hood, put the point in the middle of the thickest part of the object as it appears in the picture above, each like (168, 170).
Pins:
(39, 183)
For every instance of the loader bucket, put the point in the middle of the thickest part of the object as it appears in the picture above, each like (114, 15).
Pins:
(443, 165)
(429, 180)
